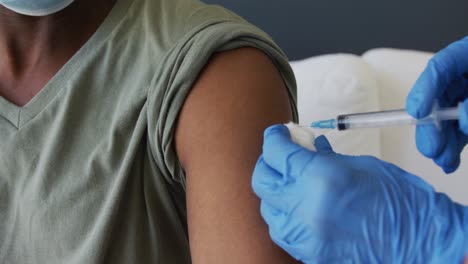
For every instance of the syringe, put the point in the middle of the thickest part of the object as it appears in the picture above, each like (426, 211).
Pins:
(385, 119)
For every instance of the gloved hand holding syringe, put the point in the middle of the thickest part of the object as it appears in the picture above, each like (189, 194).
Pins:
(322, 206)
(387, 118)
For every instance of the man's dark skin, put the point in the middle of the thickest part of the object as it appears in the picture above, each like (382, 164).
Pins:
(33, 49)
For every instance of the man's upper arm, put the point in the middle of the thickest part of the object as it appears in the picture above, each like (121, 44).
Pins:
(218, 140)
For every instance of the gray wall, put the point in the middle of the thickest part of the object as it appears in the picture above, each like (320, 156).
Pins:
(308, 27)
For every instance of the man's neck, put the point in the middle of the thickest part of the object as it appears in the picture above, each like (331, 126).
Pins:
(33, 49)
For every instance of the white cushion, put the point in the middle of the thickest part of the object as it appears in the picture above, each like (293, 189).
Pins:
(396, 71)
(330, 85)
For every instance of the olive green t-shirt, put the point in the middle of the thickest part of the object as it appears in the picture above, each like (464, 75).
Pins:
(88, 168)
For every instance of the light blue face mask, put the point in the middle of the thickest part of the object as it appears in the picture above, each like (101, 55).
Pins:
(35, 7)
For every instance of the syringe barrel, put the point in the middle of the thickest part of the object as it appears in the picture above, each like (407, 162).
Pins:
(451, 113)
(375, 119)
(393, 118)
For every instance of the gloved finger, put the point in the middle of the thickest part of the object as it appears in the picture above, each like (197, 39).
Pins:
(430, 140)
(283, 155)
(267, 183)
(463, 117)
(455, 93)
(297, 239)
(279, 229)
(445, 67)
(449, 158)
(322, 144)
(275, 218)
(305, 239)
(276, 138)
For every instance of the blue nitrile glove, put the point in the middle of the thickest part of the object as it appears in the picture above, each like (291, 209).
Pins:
(323, 207)
(444, 80)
